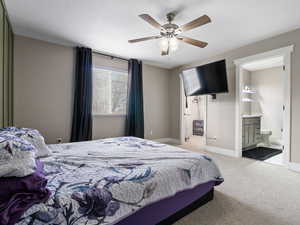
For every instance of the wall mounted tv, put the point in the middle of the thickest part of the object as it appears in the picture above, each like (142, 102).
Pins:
(207, 79)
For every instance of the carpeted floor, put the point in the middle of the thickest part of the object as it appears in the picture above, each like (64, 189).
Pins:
(254, 193)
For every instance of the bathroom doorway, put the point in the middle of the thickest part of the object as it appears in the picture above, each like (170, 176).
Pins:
(263, 106)
(262, 110)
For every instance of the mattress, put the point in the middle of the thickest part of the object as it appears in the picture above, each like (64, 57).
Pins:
(106, 181)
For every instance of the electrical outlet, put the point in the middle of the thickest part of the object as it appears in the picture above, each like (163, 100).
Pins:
(151, 132)
(59, 140)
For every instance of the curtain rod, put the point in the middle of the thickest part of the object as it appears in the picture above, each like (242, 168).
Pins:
(111, 56)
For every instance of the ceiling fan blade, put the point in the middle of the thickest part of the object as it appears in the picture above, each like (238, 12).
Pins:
(150, 20)
(144, 39)
(195, 23)
(194, 42)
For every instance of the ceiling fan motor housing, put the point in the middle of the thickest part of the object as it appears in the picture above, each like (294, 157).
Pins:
(169, 30)
(171, 16)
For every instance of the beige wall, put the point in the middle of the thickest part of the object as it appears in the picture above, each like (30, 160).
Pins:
(43, 78)
(221, 114)
(156, 102)
(269, 84)
(44, 88)
(108, 126)
(174, 95)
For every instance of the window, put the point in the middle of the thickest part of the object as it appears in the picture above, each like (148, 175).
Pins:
(109, 91)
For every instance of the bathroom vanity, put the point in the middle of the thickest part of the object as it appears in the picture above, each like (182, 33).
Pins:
(251, 131)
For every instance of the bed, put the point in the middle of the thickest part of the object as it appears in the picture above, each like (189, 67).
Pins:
(122, 181)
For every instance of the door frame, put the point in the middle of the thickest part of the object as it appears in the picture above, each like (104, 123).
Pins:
(182, 107)
(284, 52)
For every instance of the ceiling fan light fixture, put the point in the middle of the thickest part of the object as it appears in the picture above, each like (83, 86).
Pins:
(164, 44)
(173, 44)
(168, 44)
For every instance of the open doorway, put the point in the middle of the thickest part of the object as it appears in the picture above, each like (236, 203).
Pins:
(263, 110)
(193, 121)
(263, 106)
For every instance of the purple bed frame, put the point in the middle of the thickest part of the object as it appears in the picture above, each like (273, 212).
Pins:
(171, 209)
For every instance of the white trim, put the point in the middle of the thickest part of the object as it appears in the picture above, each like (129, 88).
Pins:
(109, 114)
(294, 166)
(181, 119)
(167, 140)
(238, 119)
(285, 52)
(264, 64)
(221, 151)
(205, 118)
(287, 112)
(110, 68)
(269, 54)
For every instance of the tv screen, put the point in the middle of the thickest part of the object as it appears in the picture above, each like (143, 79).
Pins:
(207, 79)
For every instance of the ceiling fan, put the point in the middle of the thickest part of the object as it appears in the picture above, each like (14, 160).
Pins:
(170, 32)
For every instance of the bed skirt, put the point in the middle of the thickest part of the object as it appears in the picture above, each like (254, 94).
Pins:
(169, 210)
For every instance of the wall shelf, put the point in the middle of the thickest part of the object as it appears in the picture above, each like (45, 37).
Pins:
(249, 91)
(248, 100)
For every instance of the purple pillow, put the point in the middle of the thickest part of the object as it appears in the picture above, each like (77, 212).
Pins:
(19, 194)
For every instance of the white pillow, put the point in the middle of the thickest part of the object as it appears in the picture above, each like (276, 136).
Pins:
(17, 156)
(33, 136)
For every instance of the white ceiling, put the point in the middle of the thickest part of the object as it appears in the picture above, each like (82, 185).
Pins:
(106, 25)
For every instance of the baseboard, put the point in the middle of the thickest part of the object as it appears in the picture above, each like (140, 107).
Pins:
(168, 140)
(294, 166)
(221, 151)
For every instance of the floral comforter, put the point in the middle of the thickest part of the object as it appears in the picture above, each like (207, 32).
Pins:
(104, 181)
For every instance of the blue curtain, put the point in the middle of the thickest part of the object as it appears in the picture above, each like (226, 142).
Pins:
(135, 109)
(82, 111)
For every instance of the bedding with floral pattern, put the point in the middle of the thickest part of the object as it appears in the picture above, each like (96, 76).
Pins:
(104, 181)
(31, 135)
(17, 156)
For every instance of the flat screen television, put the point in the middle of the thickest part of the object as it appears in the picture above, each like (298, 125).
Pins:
(206, 79)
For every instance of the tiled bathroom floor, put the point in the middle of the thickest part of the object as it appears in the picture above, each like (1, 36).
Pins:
(277, 159)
